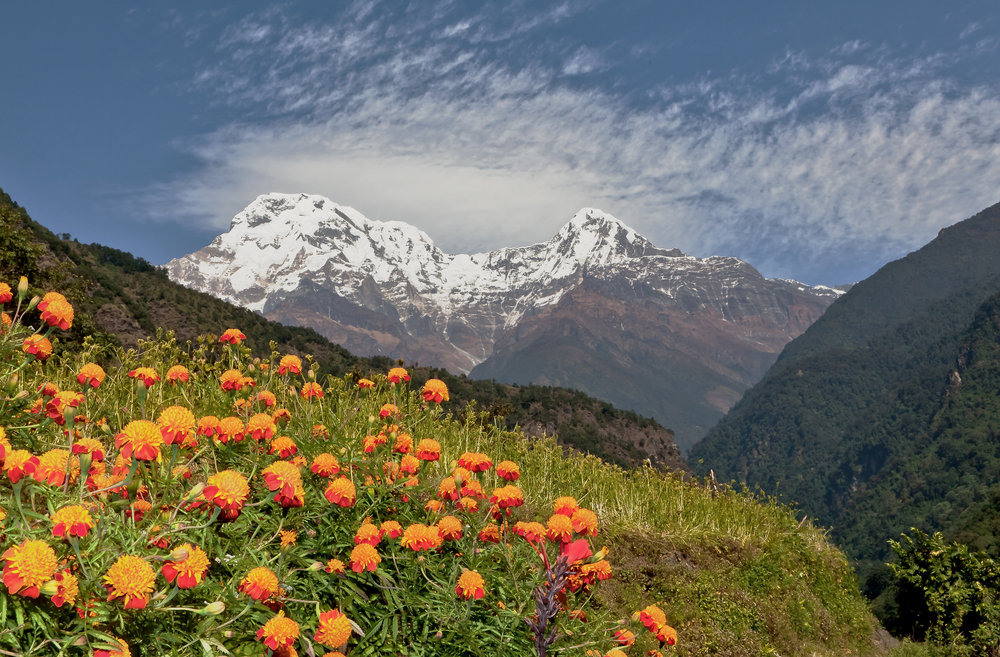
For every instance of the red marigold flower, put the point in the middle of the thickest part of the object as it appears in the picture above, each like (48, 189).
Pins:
(470, 585)
(391, 528)
(285, 478)
(229, 428)
(89, 446)
(56, 407)
(231, 380)
(267, 398)
(652, 617)
(232, 336)
(147, 375)
(227, 490)
(178, 374)
(398, 375)
(260, 583)
(475, 462)
(533, 532)
(177, 426)
(409, 464)
(73, 520)
(364, 557)
(19, 463)
(490, 533)
(334, 629)
(283, 446)
(507, 497)
(66, 588)
(419, 537)
(428, 449)
(364, 384)
(447, 489)
(598, 570)
(5, 293)
(51, 468)
(435, 390)
(559, 529)
(666, 635)
(290, 363)
(261, 426)
(450, 528)
(566, 506)
(508, 470)
(130, 579)
(388, 410)
(38, 346)
(585, 522)
(57, 311)
(370, 442)
(282, 415)
(279, 632)
(325, 465)
(334, 566)
(208, 425)
(141, 438)
(92, 374)
(341, 491)
(368, 533)
(27, 566)
(188, 565)
(625, 637)
(403, 444)
(311, 389)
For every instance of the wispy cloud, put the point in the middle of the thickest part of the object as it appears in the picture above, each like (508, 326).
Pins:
(813, 166)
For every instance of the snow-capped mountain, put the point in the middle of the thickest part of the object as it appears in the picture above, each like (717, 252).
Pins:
(385, 288)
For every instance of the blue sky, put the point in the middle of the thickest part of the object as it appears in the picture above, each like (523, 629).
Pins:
(815, 140)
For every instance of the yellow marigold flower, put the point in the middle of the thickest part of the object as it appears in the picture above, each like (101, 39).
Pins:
(666, 635)
(66, 588)
(325, 465)
(189, 570)
(435, 390)
(419, 537)
(428, 449)
(140, 438)
(260, 583)
(57, 312)
(38, 346)
(566, 506)
(341, 491)
(283, 446)
(334, 566)
(91, 374)
(131, 580)
(147, 375)
(312, 389)
(470, 585)
(73, 520)
(177, 425)
(288, 537)
(232, 336)
(124, 652)
(450, 528)
(364, 557)
(585, 522)
(51, 468)
(27, 566)
(364, 384)
(290, 364)
(261, 426)
(279, 632)
(334, 629)
(178, 374)
(231, 380)
(227, 490)
(397, 375)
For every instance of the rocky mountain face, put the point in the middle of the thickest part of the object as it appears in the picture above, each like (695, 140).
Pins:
(597, 307)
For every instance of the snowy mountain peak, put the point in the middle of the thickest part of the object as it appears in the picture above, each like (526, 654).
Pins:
(593, 236)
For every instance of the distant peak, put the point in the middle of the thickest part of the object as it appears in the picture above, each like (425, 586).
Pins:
(596, 234)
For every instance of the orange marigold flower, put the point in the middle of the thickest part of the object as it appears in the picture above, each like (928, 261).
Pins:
(370, 442)
(57, 312)
(334, 629)
(435, 390)
(615, 652)
(597, 570)
(391, 528)
(364, 384)
(419, 537)
(666, 635)
(261, 426)
(260, 583)
(231, 380)
(5, 293)
(470, 585)
(490, 533)
(626, 637)
(397, 375)
(288, 537)
(585, 522)
(325, 465)
(178, 374)
(5, 321)
(27, 566)
(334, 566)
(319, 431)
(475, 462)
(19, 463)
(229, 429)
(130, 579)
(232, 336)
(566, 506)
(38, 346)
(147, 375)
(283, 446)
(652, 617)
(92, 374)
(141, 438)
(285, 478)
(177, 425)
(282, 415)
(227, 490)
(533, 532)
(51, 468)
(404, 443)
(311, 389)
(409, 464)
(450, 528)
(73, 520)
(290, 363)
(388, 410)
(89, 446)
(208, 425)
(364, 557)
(60, 402)
(368, 533)
(124, 652)
(66, 588)
(507, 496)
(341, 491)
(267, 398)
(279, 632)
(559, 529)
(434, 506)
(447, 489)
(188, 565)
(428, 449)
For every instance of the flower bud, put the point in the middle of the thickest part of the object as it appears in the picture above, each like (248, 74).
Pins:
(34, 302)
(179, 554)
(316, 565)
(22, 287)
(194, 492)
(50, 588)
(213, 608)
